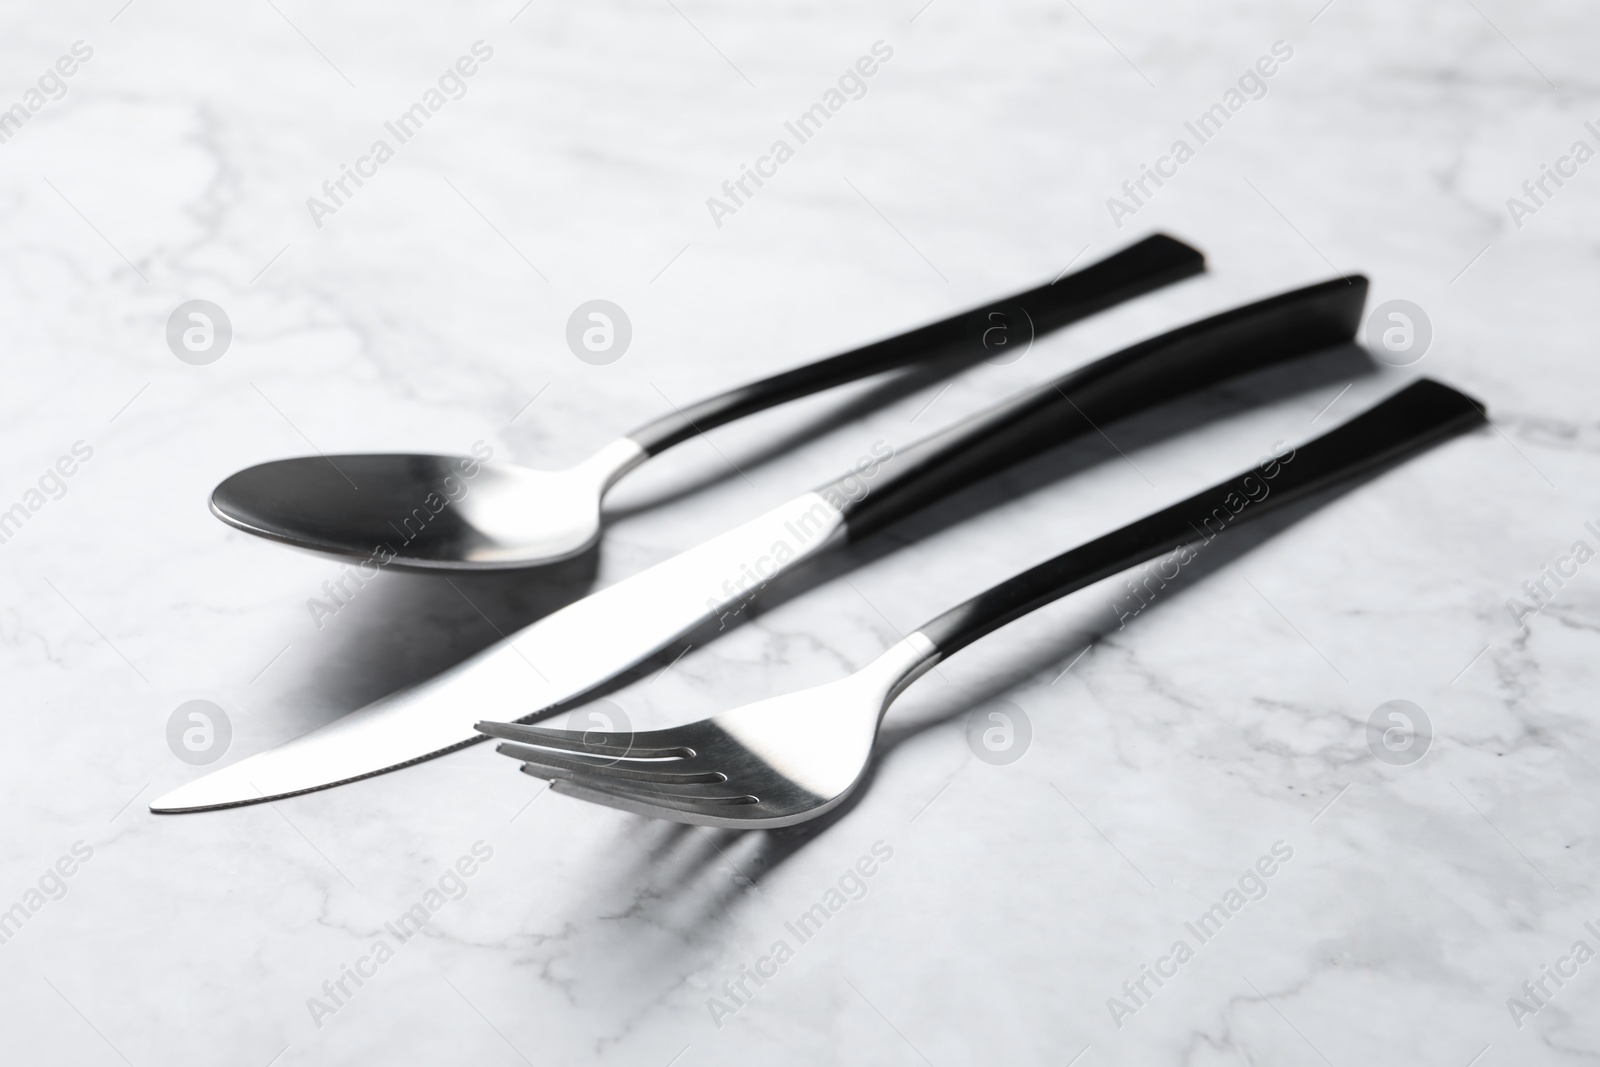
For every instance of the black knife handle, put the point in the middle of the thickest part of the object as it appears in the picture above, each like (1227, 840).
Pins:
(1182, 361)
(1410, 421)
(1151, 263)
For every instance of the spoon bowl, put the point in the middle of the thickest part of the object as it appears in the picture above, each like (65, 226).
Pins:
(425, 511)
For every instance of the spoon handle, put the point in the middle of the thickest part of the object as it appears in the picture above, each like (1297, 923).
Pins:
(1417, 417)
(1150, 264)
(1181, 361)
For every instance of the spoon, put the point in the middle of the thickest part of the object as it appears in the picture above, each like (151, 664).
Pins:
(464, 513)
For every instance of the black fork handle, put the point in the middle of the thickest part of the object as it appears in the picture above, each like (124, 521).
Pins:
(1150, 264)
(1182, 361)
(1410, 421)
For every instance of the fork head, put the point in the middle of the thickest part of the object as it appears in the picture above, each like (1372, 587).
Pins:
(772, 763)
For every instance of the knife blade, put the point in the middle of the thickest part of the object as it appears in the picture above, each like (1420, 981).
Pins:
(559, 657)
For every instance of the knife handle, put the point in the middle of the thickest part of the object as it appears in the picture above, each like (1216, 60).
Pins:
(1412, 420)
(1184, 360)
(1153, 262)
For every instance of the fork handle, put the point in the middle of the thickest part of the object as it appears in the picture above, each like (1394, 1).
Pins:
(1410, 421)
(1181, 361)
(1150, 264)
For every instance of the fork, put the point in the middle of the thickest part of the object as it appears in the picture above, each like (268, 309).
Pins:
(791, 758)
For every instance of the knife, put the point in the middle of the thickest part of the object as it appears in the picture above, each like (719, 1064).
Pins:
(592, 640)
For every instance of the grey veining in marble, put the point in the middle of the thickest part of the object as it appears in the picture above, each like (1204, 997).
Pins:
(1429, 912)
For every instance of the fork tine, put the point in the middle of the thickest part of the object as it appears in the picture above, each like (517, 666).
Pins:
(734, 816)
(600, 742)
(621, 769)
(672, 798)
(610, 776)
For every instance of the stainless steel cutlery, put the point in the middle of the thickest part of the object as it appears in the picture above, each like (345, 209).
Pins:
(592, 640)
(792, 758)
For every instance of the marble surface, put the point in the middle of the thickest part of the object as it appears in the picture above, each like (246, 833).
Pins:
(1008, 904)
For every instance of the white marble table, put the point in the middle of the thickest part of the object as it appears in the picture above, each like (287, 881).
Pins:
(1008, 905)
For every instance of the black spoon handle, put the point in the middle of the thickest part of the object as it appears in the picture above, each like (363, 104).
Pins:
(1410, 421)
(1182, 361)
(1151, 263)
